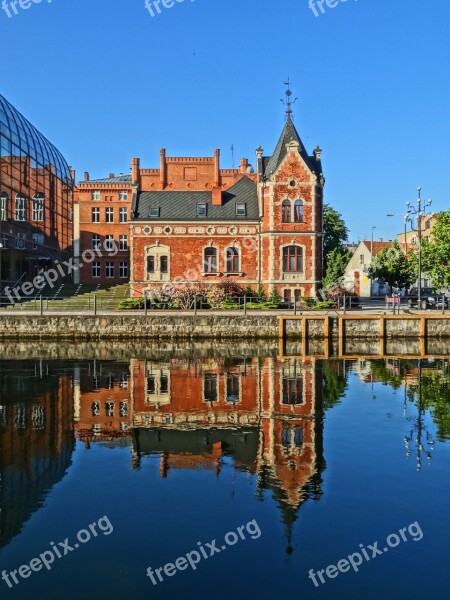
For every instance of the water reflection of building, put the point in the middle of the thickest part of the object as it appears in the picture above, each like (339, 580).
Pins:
(102, 400)
(264, 414)
(36, 431)
(290, 458)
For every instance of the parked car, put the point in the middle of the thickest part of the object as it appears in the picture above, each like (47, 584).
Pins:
(429, 298)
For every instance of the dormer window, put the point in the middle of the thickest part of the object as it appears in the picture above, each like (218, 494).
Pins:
(241, 209)
(201, 210)
(154, 211)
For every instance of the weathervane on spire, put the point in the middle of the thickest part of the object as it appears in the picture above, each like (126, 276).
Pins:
(288, 102)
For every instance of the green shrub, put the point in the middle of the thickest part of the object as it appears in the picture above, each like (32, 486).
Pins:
(131, 304)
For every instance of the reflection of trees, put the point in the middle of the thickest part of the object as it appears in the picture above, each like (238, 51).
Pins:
(334, 382)
(432, 391)
(427, 387)
(390, 372)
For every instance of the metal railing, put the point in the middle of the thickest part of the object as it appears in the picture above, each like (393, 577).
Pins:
(94, 302)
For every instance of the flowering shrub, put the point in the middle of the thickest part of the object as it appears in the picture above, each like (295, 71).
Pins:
(184, 296)
(223, 294)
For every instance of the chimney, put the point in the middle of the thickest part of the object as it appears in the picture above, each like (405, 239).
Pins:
(216, 168)
(72, 173)
(317, 153)
(217, 196)
(111, 175)
(135, 171)
(86, 176)
(162, 168)
(243, 165)
(259, 166)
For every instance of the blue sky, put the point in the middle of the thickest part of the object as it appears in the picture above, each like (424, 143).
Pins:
(105, 81)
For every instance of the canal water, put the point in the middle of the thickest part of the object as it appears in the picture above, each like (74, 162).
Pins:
(180, 471)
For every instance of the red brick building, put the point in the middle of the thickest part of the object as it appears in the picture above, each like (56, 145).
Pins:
(190, 220)
(101, 222)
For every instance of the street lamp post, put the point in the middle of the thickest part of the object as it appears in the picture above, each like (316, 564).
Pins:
(406, 220)
(418, 212)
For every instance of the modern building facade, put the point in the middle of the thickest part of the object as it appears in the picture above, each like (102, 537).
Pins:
(36, 187)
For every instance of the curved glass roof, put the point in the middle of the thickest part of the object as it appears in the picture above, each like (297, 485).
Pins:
(27, 140)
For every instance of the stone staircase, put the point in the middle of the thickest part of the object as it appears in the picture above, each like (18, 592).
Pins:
(72, 297)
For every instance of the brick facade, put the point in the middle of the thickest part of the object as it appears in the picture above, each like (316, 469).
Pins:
(111, 199)
(191, 221)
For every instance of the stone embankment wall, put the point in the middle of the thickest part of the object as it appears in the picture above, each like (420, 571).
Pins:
(214, 326)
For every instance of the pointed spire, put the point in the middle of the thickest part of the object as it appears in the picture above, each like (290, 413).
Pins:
(288, 102)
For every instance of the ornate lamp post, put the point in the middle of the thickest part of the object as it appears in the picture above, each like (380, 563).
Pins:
(418, 212)
(406, 220)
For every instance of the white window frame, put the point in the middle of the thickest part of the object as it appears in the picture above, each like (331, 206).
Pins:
(21, 241)
(96, 241)
(109, 214)
(123, 214)
(109, 268)
(37, 208)
(96, 270)
(20, 208)
(123, 270)
(109, 244)
(123, 243)
(3, 207)
(96, 212)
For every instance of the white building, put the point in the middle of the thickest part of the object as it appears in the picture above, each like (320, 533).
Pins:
(356, 274)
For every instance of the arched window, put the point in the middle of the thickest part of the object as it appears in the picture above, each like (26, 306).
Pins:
(292, 259)
(20, 208)
(298, 211)
(210, 260)
(3, 207)
(232, 260)
(38, 207)
(286, 211)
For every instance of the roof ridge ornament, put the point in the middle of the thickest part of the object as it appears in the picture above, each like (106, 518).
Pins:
(288, 102)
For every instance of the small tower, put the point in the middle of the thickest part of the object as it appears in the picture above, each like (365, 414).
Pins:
(291, 198)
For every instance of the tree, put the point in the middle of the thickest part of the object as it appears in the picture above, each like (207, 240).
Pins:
(394, 267)
(336, 264)
(436, 253)
(335, 232)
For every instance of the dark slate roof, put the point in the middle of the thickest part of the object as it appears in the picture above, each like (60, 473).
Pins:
(182, 206)
(125, 179)
(288, 134)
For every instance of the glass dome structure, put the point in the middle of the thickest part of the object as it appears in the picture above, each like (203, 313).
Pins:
(36, 198)
(21, 138)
